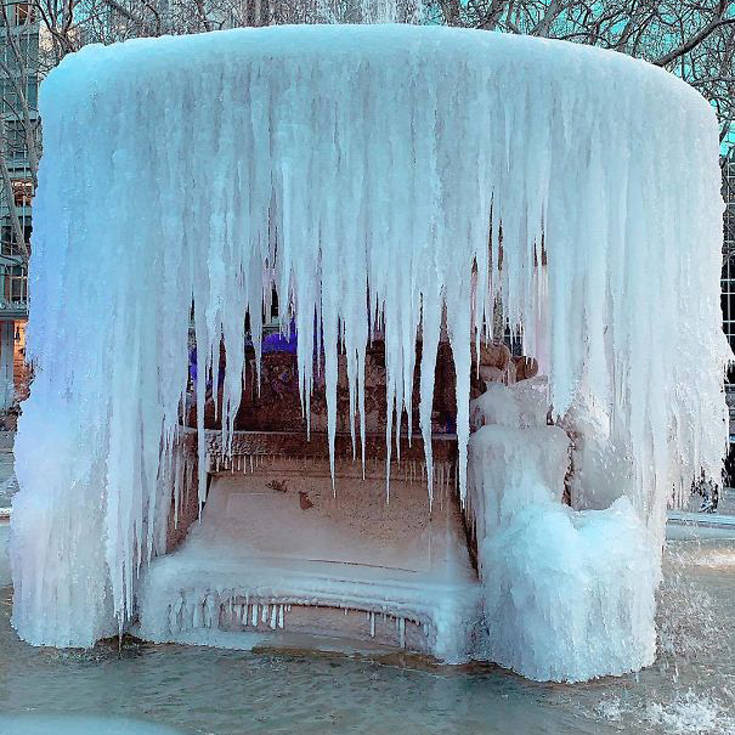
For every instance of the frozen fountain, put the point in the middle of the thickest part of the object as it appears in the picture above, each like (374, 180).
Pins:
(398, 191)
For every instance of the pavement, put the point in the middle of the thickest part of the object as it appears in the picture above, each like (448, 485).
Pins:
(5, 578)
(725, 506)
(689, 524)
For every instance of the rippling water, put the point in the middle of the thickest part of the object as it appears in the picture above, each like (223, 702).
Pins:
(691, 689)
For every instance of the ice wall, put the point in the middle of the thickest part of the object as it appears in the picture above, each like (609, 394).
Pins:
(363, 172)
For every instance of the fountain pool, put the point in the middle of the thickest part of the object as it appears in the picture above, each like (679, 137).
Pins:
(690, 688)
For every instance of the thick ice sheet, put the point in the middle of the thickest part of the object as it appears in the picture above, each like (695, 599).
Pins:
(347, 166)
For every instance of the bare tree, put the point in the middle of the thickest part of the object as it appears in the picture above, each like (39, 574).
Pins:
(19, 126)
(694, 39)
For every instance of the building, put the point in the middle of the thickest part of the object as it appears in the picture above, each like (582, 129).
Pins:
(19, 43)
(728, 281)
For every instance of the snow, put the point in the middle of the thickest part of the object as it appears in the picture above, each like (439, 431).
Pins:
(353, 166)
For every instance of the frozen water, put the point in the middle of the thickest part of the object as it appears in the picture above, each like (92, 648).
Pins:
(568, 594)
(256, 553)
(361, 172)
(602, 471)
(224, 692)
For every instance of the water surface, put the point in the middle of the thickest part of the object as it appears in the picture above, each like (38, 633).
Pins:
(691, 688)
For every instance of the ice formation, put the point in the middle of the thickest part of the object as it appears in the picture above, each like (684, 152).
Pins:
(377, 178)
(568, 594)
(257, 561)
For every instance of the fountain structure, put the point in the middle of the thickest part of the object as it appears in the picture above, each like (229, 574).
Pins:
(383, 471)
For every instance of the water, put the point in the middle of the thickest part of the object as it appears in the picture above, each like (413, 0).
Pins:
(691, 689)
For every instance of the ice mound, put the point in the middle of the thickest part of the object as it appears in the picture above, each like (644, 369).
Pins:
(524, 405)
(602, 469)
(568, 594)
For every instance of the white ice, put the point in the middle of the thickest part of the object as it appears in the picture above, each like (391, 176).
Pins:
(354, 169)
(568, 594)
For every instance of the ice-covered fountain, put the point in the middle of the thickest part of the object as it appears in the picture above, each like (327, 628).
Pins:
(397, 189)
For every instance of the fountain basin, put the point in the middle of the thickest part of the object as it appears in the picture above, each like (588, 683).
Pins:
(396, 184)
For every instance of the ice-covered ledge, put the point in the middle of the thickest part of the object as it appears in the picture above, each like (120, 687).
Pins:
(278, 553)
(260, 450)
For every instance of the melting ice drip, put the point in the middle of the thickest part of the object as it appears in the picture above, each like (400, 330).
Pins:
(374, 177)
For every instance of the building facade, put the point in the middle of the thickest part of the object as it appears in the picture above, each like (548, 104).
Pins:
(728, 281)
(19, 43)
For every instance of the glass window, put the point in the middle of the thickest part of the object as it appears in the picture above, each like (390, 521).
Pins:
(23, 192)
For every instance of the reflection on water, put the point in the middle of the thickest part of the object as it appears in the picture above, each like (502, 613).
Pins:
(691, 688)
